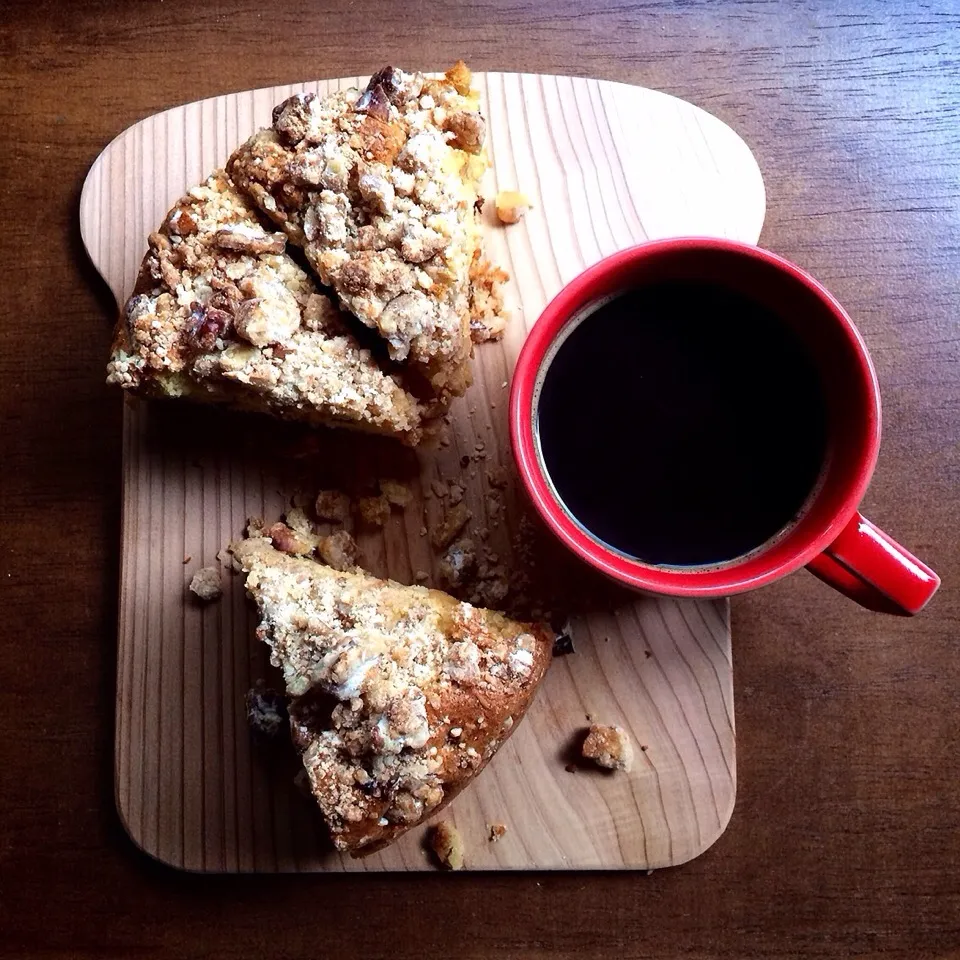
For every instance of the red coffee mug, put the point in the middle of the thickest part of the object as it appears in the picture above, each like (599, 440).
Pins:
(830, 538)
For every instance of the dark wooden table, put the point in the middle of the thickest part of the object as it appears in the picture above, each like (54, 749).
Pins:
(846, 835)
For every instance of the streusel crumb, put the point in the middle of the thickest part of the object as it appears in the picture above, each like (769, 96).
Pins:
(332, 505)
(447, 845)
(373, 511)
(608, 747)
(206, 584)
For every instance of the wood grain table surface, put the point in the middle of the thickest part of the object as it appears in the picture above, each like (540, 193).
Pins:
(846, 836)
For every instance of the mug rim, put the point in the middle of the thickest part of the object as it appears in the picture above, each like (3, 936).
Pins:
(728, 578)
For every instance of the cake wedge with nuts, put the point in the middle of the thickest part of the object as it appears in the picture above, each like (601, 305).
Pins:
(222, 313)
(401, 694)
(381, 187)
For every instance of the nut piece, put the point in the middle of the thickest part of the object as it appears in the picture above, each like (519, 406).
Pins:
(291, 119)
(396, 492)
(332, 505)
(373, 511)
(608, 747)
(206, 584)
(246, 239)
(497, 830)
(511, 206)
(339, 550)
(288, 541)
(455, 520)
(447, 845)
(206, 325)
(266, 710)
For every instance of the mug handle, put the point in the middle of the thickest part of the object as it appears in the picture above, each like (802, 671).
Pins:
(873, 569)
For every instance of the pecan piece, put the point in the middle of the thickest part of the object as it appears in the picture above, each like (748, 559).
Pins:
(291, 119)
(288, 541)
(206, 325)
(374, 102)
(181, 223)
(390, 81)
(246, 239)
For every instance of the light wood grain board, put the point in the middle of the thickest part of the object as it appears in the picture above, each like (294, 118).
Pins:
(606, 166)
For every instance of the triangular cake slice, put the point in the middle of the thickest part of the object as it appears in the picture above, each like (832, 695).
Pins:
(222, 313)
(381, 187)
(402, 694)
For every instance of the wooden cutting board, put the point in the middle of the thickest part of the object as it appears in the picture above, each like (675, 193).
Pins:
(606, 166)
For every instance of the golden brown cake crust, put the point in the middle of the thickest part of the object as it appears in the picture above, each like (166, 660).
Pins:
(402, 693)
(380, 187)
(221, 313)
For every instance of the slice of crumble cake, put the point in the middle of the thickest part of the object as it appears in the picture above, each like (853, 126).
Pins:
(222, 313)
(381, 188)
(401, 694)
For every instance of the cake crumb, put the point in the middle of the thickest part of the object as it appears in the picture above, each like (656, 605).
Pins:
(498, 477)
(339, 550)
(186, 560)
(439, 487)
(254, 526)
(398, 494)
(373, 511)
(571, 768)
(458, 562)
(421, 576)
(455, 494)
(332, 505)
(299, 522)
(512, 206)
(206, 584)
(447, 845)
(497, 830)
(608, 747)
(456, 519)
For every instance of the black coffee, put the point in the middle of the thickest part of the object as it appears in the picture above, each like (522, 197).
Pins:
(682, 424)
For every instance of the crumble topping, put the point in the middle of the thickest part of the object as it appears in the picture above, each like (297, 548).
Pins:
(222, 313)
(608, 747)
(401, 692)
(380, 187)
(206, 584)
(447, 845)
